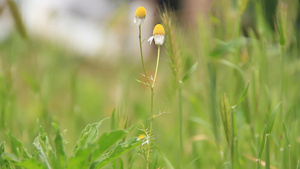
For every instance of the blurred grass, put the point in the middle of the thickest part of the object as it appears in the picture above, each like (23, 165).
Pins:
(39, 80)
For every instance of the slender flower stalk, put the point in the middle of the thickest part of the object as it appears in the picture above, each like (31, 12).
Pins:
(158, 37)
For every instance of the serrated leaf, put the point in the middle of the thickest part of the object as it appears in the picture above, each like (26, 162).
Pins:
(244, 94)
(84, 146)
(87, 136)
(59, 148)
(121, 148)
(190, 72)
(41, 142)
(272, 119)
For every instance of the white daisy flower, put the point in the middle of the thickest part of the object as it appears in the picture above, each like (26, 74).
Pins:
(140, 15)
(158, 35)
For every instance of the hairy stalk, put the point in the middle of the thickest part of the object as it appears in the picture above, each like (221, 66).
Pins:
(142, 56)
(150, 131)
(180, 120)
(152, 111)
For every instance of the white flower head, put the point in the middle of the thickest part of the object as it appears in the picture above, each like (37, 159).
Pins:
(158, 35)
(140, 15)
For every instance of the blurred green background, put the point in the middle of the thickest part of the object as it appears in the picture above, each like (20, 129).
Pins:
(235, 42)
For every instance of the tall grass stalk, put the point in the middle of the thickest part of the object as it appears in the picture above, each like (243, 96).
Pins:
(180, 118)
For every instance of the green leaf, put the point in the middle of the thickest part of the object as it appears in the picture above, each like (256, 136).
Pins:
(59, 148)
(108, 139)
(121, 148)
(190, 72)
(262, 144)
(272, 119)
(30, 164)
(87, 136)
(280, 31)
(17, 147)
(244, 94)
(233, 66)
(285, 134)
(112, 122)
(84, 146)
(225, 47)
(41, 142)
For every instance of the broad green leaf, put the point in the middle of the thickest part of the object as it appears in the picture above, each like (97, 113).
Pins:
(59, 148)
(87, 136)
(81, 160)
(272, 119)
(30, 164)
(244, 94)
(190, 72)
(106, 140)
(121, 148)
(85, 145)
(262, 144)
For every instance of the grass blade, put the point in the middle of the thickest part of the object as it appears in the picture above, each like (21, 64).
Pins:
(190, 72)
(272, 119)
(262, 146)
(244, 94)
(121, 148)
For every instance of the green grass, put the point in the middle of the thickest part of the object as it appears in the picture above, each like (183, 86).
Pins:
(232, 100)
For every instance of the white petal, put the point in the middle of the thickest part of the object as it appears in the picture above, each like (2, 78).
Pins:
(151, 39)
(159, 39)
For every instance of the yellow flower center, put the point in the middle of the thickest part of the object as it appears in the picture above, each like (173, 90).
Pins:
(141, 136)
(158, 30)
(140, 12)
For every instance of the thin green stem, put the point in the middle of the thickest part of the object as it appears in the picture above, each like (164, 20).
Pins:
(267, 152)
(142, 56)
(232, 139)
(157, 62)
(180, 120)
(150, 130)
(152, 111)
(282, 82)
